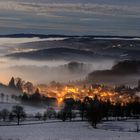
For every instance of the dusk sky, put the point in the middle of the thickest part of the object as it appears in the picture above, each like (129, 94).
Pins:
(71, 17)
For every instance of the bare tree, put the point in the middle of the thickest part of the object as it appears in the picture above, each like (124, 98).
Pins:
(137, 126)
(4, 114)
(7, 98)
(2, 97)
(18, 112)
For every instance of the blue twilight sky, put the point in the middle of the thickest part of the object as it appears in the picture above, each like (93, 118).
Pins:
(71, 17)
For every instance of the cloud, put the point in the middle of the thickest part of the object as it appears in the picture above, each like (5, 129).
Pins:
(35, 16)
(9, 19)
(46, 8)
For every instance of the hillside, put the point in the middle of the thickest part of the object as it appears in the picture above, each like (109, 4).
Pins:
(122, 72)
(68, 54)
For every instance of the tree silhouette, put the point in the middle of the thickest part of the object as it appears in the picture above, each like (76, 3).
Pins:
(18, 112)
(4, 114)
(45, 116)
(82, 110)
(12, 83)
(66, 112)
(2, 96)
(7, 98)
(36, 97)
(29, 87)
(38, 116)
(19, 85)
(93, 109)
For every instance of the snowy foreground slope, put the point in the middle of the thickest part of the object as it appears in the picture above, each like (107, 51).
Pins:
(63, 131)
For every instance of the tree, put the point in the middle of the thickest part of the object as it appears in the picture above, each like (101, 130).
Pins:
(25, 97)
(106, 109)
(51, 113)
(29, 87)
(66, 112)
(36, 97)
(82, 110)
(7, 98)
(11, 116)
(19, 85)
(93, 115)
(2, 96)
(4, 114)
(38, 116)
(137, 126)
(62, 115)
(18, 112)
(45, 116)
(12, 83)
(94, 112)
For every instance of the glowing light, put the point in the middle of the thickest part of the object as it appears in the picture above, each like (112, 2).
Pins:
(79, 93)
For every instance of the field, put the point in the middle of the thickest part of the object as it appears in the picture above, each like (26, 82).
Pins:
(70, 131)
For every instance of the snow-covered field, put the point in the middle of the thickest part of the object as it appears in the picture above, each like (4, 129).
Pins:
(57, 130)
(64, 131)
